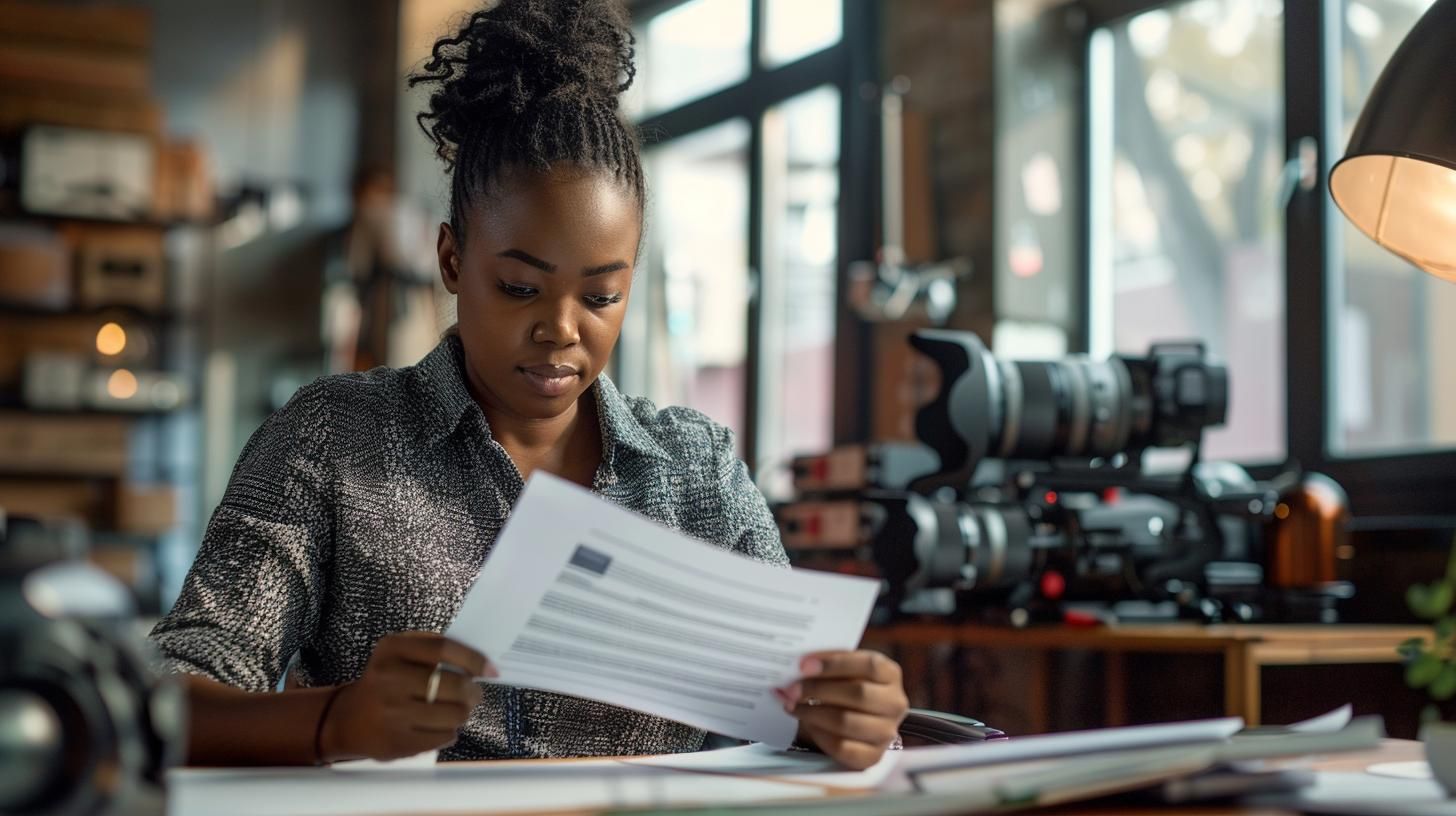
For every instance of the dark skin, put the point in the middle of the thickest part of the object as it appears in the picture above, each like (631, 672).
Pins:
(542, 278)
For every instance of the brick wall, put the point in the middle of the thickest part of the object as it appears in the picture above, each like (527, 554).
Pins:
(945, 48)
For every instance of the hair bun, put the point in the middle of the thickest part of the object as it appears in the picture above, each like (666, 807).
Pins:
(517, 54)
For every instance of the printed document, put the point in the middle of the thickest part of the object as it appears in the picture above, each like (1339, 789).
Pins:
(582, 597)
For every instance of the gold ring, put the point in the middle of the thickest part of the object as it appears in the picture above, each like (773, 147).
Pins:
(432, 689)
(813, 701)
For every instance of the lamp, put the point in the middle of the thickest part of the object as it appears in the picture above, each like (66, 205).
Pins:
(1397, 182)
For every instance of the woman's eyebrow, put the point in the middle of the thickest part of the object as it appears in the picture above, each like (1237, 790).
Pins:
(528, 258)
(547, 266)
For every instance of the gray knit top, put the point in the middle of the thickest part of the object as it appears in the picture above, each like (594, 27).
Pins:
(367, 505)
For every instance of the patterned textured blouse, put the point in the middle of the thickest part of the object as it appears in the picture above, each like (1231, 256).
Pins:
(367, 505)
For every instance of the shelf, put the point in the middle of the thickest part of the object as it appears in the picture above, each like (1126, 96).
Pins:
(167, 316)
(9, 214)
(11, 405)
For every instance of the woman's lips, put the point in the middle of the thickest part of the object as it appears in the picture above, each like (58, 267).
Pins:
(550, 381)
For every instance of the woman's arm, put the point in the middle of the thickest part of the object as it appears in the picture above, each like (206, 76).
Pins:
(394, 710)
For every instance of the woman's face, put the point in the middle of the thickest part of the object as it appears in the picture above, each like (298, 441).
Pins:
(542, 281)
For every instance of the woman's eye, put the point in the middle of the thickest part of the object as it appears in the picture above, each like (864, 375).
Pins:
(602, 301)
(517, 291)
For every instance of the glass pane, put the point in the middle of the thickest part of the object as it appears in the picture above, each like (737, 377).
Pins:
(686, 341)
(1187, 232)
(689, 51)
(800, 240)
(1392, 322)
(798, 28)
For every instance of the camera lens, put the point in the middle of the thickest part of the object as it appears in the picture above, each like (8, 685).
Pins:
(1074, 407)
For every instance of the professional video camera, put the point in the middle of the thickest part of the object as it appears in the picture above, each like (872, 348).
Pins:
(1030, 498)
(84, 726)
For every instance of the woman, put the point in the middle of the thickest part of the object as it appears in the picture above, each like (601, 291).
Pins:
(359, 515)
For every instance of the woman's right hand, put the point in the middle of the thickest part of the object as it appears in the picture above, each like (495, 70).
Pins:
(385, 714)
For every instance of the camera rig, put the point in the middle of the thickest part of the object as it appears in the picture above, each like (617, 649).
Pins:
(1034, 493)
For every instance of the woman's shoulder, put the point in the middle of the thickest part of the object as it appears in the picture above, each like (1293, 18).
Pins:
(676, 429)
(337, 404)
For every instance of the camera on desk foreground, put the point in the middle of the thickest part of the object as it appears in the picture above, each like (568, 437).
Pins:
(85, 727)
(1033, 495)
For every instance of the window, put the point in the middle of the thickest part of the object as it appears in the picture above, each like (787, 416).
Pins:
(797, 28)
(800, 240)
(736, 308)
(1392, 325)
(1211, 127)
(697, 257)
(690, 51)
(1188, 233)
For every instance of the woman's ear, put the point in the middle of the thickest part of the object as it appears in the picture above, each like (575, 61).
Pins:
(447, 249)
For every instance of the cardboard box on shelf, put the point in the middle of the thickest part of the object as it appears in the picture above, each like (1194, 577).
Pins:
(58, 70)
(35, 268)
(132, 566)
(145, 509)
(42, 444)
(21, 107)
(22, 335)
(51, 499)
(107, 26)
(119, 265)
(184, 189)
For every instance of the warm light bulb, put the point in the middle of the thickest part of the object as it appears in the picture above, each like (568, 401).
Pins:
(122, 384)
(111, 339)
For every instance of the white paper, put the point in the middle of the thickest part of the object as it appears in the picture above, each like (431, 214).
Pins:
(426, 759)
(1326, 723)
(491, 787)
(1072, 743)
(582, 597)
(766, 761)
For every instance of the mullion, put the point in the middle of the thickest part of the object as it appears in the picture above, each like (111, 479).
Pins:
(751, 99)
(1306, 232)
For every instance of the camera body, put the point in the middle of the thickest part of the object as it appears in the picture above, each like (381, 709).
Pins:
(1027, 499)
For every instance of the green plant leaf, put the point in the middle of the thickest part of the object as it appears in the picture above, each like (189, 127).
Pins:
(1445, 628)
(1429, 601)
(1411, 649)
(1444, 686)
(1422, 671)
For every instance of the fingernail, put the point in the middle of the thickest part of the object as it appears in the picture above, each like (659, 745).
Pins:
(792, 693)
(779, 695)
(491, 670)
(811, 666)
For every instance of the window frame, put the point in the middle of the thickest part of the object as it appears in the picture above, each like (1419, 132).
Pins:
(850, 65)
(1386, 490)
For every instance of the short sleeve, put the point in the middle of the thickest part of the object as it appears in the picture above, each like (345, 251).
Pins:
(748, 524)
(253, 595)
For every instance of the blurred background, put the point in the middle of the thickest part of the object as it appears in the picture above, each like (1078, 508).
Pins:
(218, 201)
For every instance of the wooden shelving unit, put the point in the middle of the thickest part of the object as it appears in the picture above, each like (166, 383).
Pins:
(125, 473)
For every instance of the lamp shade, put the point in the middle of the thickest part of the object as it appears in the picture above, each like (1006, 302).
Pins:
(1397, 181)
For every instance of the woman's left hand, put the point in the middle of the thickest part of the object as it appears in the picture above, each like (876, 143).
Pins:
(849, 704)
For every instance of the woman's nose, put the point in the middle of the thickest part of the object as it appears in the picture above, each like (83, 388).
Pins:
(557, 327)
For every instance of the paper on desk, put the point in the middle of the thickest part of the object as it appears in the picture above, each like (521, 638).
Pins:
(1072, 743)
(1325, 723)
(766, 762)
(580, 596)
(457, 787)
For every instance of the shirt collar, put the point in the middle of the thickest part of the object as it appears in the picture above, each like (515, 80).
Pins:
(442, 374)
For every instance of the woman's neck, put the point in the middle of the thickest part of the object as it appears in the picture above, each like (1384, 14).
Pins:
(569, 445)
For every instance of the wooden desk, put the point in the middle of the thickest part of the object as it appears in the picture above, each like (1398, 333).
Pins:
(1246, 650)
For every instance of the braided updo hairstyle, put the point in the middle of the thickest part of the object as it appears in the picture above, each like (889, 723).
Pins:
(528, 84)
